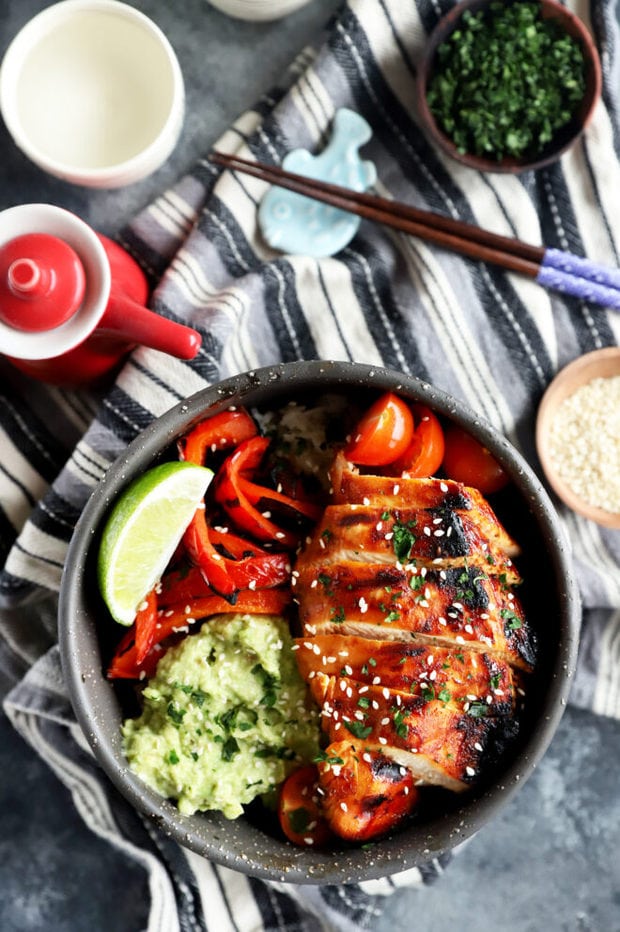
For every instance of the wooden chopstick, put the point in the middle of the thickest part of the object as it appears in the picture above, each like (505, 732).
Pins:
(456, 235)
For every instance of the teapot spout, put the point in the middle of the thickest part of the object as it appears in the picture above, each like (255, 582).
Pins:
(136, 324)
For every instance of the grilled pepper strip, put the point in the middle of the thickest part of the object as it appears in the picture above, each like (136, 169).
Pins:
(145, 625)
(125, 663)
(230, 495)
(262, 496)
(224, 430)
(226, 576)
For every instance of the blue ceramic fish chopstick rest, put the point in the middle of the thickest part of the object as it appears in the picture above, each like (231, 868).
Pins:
(293, 223)
(318, 202)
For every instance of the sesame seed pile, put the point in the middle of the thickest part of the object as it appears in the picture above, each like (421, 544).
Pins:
(585, 442)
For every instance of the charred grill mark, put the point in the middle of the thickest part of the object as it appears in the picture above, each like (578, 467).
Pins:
(383, 768)
(455, 501)
(468, 585)
(353, 518)
(454, 542)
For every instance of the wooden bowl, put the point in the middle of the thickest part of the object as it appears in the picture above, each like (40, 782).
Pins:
(564, 138)
(603, 363)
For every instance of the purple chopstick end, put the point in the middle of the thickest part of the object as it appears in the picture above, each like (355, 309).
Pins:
(580, 278)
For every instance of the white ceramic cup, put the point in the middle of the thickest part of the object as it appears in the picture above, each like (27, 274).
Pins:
(258, 9)
(92, 92)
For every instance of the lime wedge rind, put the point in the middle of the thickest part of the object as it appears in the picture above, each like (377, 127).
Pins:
(143, 531)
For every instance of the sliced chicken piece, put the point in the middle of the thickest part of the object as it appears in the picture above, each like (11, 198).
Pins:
(363, 794)
(473, 680)
(440, 497)
(439, 742)
(458, 606)
(408, 537)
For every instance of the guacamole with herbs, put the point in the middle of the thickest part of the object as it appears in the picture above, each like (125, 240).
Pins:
(226, 717)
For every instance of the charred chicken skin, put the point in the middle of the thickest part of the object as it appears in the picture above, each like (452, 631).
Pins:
(414, 644)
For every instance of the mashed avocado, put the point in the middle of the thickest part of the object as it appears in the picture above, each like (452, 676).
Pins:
(225, 718)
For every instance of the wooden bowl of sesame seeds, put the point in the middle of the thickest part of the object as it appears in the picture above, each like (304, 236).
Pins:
(250, 844)
(578, 436)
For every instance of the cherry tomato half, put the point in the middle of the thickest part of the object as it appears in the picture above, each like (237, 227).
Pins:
(467, 460)
(298, 811)
(424, 454)
(383, 433)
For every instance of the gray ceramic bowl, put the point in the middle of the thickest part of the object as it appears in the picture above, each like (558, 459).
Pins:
(87, 638)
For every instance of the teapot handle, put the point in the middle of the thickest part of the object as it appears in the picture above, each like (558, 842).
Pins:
(137, 324)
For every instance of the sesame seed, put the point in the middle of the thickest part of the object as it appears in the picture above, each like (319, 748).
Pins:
(382, 740)
(470, 771)
(344, 807)
(478, 746)
(443, 486)
(427, 531)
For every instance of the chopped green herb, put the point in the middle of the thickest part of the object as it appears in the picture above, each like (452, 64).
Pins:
(403, 542)
(400, 725)
(175, 713)
(444, 695)
(478, 709)
(328, 759)
(506, 81)
(358, 729)
(513, 622)
(173, 757)
(229, 748)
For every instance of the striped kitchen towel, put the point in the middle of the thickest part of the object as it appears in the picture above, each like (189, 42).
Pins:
(492, 339)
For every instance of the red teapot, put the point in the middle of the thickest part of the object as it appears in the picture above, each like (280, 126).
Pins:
(72, 302)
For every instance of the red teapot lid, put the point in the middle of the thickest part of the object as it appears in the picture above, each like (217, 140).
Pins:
(42, 282)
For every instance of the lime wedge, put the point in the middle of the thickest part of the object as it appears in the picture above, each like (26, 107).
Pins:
(143, 531)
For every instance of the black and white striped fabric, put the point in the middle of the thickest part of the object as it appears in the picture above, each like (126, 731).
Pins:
(490, 338)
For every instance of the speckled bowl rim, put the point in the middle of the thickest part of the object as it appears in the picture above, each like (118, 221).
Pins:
(239, 845)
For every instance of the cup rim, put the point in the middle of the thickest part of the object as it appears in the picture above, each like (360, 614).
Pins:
(136, 167)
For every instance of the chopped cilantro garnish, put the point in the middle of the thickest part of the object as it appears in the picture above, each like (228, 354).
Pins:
(403, 542)
(506, 81)
(175, 713)
(358, 729)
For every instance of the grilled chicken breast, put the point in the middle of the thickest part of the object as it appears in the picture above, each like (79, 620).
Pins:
(414, 645)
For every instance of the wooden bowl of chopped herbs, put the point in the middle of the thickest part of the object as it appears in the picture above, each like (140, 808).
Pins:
(508, 85)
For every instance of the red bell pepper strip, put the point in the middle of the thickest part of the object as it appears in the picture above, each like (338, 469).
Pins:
(262, 496)
(230, 495)
(145, 625)
(181, 586)
(202, 552)
(125, 664)
(225, 575)
(219, 432)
